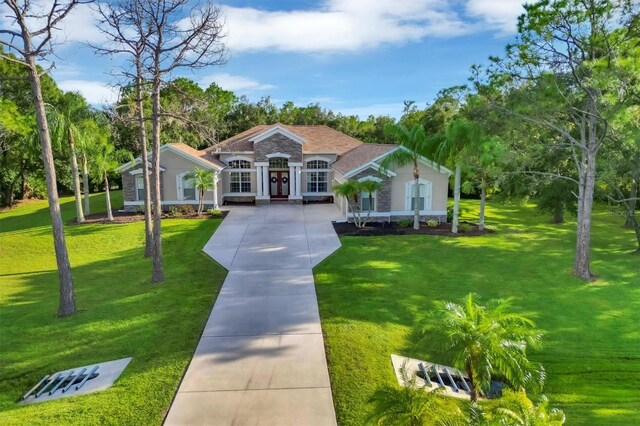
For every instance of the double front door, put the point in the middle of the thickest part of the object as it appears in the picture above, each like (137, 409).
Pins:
(279, 184)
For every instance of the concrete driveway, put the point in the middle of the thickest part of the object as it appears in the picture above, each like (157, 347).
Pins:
(261, 359)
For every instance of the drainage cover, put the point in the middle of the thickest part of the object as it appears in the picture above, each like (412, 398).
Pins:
(76, 381)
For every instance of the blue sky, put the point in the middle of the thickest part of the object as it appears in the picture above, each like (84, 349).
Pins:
(353, 56)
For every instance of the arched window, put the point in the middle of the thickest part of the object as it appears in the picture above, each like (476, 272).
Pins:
(317, 164)
(239, 164)
(278, 163)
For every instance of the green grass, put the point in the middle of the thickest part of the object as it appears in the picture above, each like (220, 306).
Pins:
(120, 313)
(374, 292)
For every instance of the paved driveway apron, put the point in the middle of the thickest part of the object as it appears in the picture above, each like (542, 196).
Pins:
(261, 358)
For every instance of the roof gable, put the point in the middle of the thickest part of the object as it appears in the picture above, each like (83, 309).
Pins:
(277, 129)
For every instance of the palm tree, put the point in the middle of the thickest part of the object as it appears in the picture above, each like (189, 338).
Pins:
(515, 408)
(460, 136)
(352, 190)
(486, 341)
(203, 181)
(105, 160)
(65, 122)
(413, 147)
(413, 406)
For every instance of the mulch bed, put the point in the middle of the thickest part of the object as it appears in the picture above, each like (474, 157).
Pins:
(385, 228)
(127, 217)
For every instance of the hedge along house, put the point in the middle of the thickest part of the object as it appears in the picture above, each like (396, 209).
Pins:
(293, 164)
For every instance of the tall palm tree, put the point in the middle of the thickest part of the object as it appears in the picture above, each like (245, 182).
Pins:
(460, 136)
(65, 128)
(486, 341)
(413, 406)
(515, 408)
(413, 146)
(203, 181)
(352, 190)
(105, 160)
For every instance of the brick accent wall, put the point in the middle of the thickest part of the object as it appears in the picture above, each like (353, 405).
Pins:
(278, 143)
(129, 187)
(383, 196)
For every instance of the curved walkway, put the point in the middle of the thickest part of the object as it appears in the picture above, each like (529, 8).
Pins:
(261, 359)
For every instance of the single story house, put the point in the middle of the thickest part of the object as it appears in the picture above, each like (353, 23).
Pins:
(294, 164)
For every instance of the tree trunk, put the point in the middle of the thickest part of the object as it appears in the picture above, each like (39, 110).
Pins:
(67, 297)
(483, 202)
(85, 184)
(473, 394)
(108, 198)
(558, 213)
(582, 262)
(158, 273)
(456, 199)
(416, 198)
(76, 178)
(201, 202)
(23, 181)
(629, 222)
(142, 134)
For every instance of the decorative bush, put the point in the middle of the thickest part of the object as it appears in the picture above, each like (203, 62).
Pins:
(432, 223)
(140, 209)
(215, 212)
(405, 223)
(175, 211)
(465, 227)
(187, 210)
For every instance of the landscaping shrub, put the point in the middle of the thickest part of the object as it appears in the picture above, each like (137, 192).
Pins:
(215, 212)
(432, 223)
(465, 227)
(175, 211)
(187, 210)
(405, 223)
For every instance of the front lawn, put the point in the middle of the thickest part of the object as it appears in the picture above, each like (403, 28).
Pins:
(120, 313)
(374, 292)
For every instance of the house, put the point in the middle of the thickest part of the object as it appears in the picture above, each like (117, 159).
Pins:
(294, 164)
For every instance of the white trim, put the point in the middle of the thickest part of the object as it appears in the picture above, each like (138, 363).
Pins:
(238, 194)
(238, 157)
(135, 186)
(320, 153)
(295, 164)
(234, 152)
(139, 171)
(317, 170)
(263, 197)
(278, 155)
(373, 178)
(190, 157)
(318, 158)
(402, 213)
(317, 194)
(295, 197)
(409, 194)
(374, 195)
(277, 129)
(261, 164)
(238, 170)
(164, 203)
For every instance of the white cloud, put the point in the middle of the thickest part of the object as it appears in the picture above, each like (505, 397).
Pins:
(235, 83)
(96, 92)
(341, 25)
(499, 14)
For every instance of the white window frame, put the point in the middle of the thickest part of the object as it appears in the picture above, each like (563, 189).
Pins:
(365, 194)
(231, 160)
(240, 181)
(138, 178)
(320, 172)
(409, 194)
(180, 188)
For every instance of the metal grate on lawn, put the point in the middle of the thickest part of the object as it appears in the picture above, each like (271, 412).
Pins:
(76, 381)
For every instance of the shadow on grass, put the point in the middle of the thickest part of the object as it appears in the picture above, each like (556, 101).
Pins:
(120, 314)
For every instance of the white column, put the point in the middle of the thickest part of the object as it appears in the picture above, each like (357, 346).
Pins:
(298, 181)
(265, 181)
(292, 181)
(259, 181)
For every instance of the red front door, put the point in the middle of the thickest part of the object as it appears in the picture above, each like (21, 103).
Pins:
(279, 184)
